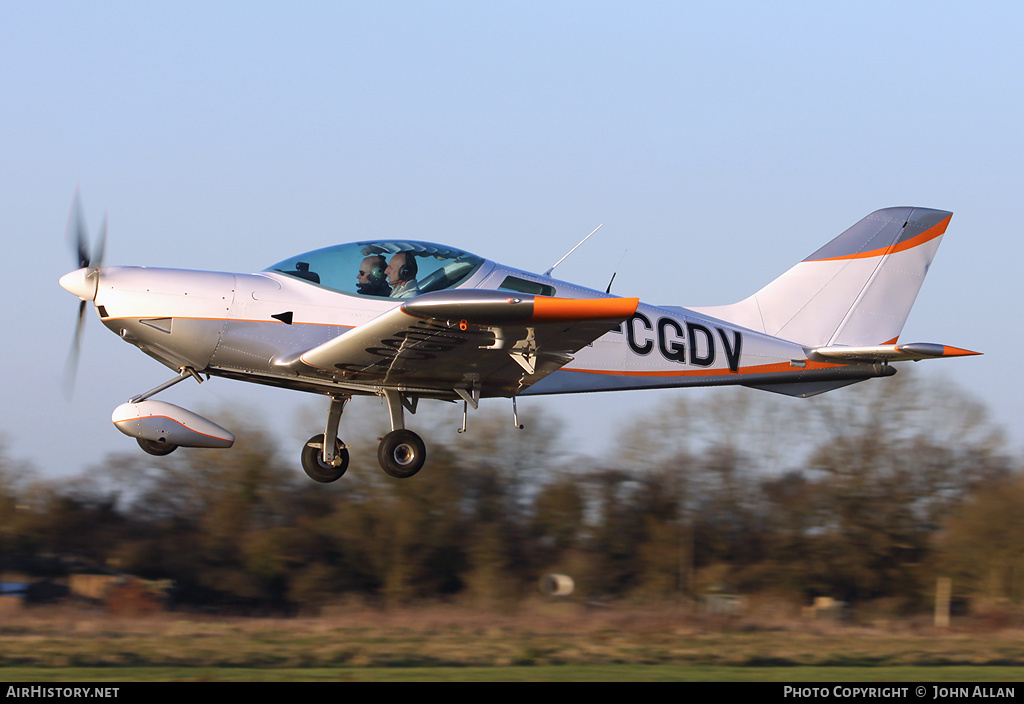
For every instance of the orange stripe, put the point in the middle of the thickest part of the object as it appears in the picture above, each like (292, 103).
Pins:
(929, 234)
(956, 352)
(547, 309)
(760, 369)
(175, 420)
(233, 320)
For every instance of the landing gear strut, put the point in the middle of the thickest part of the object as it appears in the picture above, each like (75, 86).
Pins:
(401, 452)
(325, 457)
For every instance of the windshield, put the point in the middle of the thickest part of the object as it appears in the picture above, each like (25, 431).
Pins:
(383, 269)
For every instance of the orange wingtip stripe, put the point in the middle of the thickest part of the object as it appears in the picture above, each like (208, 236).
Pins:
(547, 309)
(926, 236)
(948, 351)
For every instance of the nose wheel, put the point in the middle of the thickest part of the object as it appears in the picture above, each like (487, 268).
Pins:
(155, 447)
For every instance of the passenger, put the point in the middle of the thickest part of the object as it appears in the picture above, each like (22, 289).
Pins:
(371, 280)
(401, 273)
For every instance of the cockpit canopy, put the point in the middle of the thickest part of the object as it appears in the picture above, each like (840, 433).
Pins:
(359, 268)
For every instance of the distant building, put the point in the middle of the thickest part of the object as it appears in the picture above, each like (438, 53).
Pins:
(12, 595)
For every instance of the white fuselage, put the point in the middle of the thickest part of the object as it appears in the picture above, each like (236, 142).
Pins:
(239, 325)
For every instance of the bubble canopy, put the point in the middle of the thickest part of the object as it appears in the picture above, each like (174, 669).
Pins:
(358, 268)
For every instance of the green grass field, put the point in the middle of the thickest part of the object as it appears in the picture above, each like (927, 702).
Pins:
(545, 673)
(539, 643)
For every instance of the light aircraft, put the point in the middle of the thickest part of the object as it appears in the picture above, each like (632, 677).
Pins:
(408, 320)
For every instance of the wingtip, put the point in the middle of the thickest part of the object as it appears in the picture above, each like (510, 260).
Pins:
(564, 309)
(933, 350)
(948, 351)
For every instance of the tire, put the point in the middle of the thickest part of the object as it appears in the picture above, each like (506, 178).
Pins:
(313, 460)
(401, 453)
(155, 447)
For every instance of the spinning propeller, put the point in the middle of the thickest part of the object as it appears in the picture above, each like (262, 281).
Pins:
(82, 282)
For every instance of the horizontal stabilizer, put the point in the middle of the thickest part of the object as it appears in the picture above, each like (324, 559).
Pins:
(890, 353)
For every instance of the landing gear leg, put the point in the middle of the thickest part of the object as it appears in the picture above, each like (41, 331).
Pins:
(325, 457)
(401, 452)
(160, 448)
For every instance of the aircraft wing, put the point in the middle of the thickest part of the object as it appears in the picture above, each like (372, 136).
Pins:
(465, 343)
(914, 351)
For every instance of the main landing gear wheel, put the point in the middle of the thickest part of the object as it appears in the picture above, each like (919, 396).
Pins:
(401, 453)
(155, 447)
(313, 460)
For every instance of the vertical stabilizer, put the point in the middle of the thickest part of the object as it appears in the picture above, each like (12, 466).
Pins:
(856, 290)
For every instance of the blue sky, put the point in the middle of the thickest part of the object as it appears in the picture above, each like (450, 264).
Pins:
(719, 143)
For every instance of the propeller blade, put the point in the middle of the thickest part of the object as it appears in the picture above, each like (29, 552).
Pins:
(101, 245)
(77, 234)
(71, 365)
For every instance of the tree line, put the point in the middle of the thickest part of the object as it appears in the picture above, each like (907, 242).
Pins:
(865, 493)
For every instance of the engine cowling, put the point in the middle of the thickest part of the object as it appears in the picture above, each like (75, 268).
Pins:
(165, 423)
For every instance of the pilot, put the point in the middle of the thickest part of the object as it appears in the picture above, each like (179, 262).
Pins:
(401, 273)
(371, 280)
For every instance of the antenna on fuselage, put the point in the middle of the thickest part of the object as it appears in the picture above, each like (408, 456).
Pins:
(609, 289)
(548, 272)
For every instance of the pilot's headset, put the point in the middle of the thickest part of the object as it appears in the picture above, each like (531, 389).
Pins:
(408, 270)
(376, 275)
